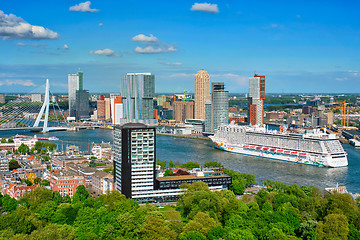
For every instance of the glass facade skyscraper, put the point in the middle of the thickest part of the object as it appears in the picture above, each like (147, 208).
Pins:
(75, 83)
(138, 91)
(217, 110)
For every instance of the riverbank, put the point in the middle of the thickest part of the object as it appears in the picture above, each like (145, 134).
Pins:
(183, 136)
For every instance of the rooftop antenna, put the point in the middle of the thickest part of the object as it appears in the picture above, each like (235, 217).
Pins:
(255, 73)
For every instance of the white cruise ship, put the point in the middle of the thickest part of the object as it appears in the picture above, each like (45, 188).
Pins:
(320, 149)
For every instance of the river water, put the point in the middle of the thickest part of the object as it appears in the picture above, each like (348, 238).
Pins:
(184, 149)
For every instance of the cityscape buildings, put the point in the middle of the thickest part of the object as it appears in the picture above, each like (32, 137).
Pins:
(101, 108)
(217, 110)
(202, 93)
(256, 100)
(135, 168)
(138, 91)
(75, 83)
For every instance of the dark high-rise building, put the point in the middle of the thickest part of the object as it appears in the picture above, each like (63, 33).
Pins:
(82, 105)
(256, 100)
(134, 159)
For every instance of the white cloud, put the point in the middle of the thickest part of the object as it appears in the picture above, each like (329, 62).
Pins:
(205, 7)
(151, 49)
(144, 38)
(354, 73)
(27, 83)
(152, 45)
(171, 63)
(66, 47)
(12, 26)
(341, 79)
(101, 24)
(20, 44)
(106, 52)
(83, 7)
(298, 16)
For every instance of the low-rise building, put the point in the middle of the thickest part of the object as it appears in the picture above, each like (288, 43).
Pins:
(66, 182)
(62, 161)
(4, 164)
(102, 182)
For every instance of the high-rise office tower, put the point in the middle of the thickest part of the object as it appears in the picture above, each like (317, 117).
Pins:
(82, 105)
(217, 110)
(256, 100)
(183, 110)
(138, 91)
(202, 93)
(134, 159)
(75, 83)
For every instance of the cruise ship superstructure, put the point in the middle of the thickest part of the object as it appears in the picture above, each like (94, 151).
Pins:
(315, 148)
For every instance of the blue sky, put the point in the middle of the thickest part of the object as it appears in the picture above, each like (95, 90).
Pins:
(301, 46)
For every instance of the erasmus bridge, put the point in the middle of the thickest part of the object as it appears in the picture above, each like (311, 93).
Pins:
(23, 114)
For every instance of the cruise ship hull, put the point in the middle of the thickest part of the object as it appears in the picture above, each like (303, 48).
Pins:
(282, 154)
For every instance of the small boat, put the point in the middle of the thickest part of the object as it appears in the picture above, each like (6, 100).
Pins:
(52, 138)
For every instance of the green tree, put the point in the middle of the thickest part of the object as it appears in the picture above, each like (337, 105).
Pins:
(44, 182)
(275, 234)
(193, 235)
(190, 165)
(161, 163)
(8, 204)
(37, 196)
(54, 231)
(13, 164)
(10, 140)
(171, 164)
(47, 210)
(3, 140)
(81, 194)
(154, 228)
(238, 186)
(334, 226)
(23, 149)
(168, 172)
(201, 223)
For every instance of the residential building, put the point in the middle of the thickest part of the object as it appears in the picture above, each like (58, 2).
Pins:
(17, 191)
(117, 109)
(102, 182)
(135, 158)
(75, 83)
(37, 97)
(2, 98)
(101, 108)
(183, 110)
(98, 150)
(202, 93)
(82, 105)
(160, 100)
(4, 164)
(63, 161)
(256, 100)
(218, 107)
(66, 182)
(138, 91)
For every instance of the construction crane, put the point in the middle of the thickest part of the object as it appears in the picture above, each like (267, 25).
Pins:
(345, 114)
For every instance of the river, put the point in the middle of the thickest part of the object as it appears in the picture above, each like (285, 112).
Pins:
(184, 149)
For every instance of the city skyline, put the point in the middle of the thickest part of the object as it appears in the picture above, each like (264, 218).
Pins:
(293, 44)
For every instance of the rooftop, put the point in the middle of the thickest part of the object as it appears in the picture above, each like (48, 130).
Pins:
(188, 177)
